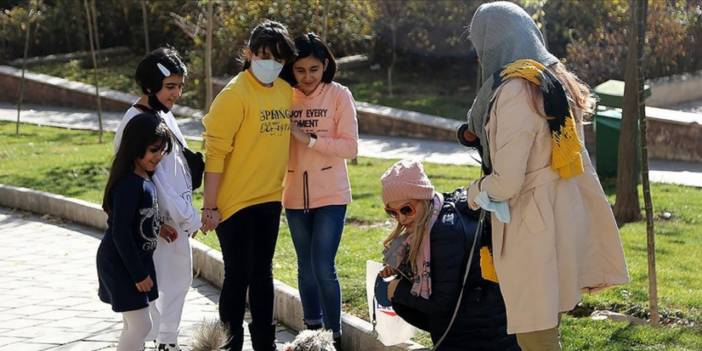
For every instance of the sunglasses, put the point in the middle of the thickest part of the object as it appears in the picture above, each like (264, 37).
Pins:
(405, 210)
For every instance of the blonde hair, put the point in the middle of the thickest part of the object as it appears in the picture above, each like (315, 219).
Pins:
(416, 236)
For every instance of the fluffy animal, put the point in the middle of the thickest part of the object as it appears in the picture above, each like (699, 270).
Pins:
(312, 340)
(209, 335)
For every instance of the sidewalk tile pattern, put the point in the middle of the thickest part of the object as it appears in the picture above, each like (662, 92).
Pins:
(49, 297)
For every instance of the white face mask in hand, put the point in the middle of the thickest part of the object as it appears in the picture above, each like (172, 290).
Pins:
(266, 71)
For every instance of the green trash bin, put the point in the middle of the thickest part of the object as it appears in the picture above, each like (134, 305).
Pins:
(607, 130)
(608, 127)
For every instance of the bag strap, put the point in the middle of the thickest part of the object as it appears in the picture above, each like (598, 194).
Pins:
(476, 238)
(374, 320)
(145, 108)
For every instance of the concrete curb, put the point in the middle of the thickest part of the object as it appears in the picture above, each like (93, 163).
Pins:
(207, 263)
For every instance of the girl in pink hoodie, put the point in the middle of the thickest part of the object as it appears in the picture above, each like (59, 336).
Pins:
(317, 189)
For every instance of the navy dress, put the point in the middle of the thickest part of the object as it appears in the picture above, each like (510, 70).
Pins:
(124, 257)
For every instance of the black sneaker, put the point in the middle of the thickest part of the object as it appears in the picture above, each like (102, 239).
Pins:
(169, 347)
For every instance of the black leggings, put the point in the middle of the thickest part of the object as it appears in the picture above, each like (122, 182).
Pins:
(248, 240)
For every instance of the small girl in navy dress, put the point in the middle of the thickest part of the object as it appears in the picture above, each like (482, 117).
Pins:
(124, 259)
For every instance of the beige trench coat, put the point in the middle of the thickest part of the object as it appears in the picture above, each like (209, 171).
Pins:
(562, 238)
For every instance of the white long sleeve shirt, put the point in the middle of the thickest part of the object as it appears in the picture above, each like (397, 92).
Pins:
(172, 179)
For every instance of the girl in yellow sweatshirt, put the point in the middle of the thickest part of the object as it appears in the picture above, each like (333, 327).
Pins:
(317, 189)
(247, 135)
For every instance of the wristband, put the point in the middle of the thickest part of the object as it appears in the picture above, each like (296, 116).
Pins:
(209, 209)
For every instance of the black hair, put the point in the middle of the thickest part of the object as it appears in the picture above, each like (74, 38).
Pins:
(311, 45)
(140, 132)
(273, 36)
(148, 74)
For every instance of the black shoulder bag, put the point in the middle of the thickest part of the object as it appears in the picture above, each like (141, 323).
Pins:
(195, 159)
(196, 164)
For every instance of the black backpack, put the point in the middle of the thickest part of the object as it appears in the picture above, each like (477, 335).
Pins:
(472, 222)
(459, 200)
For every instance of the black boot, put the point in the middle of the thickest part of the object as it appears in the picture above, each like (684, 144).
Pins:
(262, 337)
(235, 341)
(337, 343)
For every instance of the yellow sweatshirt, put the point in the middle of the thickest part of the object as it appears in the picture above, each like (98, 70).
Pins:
(247, 135)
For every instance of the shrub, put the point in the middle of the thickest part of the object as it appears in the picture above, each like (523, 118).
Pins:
(672, 42)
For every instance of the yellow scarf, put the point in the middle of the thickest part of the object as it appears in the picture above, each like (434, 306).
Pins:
(566, 145)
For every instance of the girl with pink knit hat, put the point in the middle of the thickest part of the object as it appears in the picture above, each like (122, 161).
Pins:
(435, 236)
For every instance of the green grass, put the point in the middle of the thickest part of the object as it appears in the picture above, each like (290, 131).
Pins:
(586, 334)
(72, 163)
(441, 90)
(444, 90)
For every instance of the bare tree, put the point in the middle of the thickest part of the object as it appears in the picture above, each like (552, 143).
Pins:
(204, 22)
(639, 16)
(208, 56)
(192, 30)
(144, 16)
(325, 20)
(626, 207)
(91, 36)
(390, 10)
(27, 26)
(93, 17)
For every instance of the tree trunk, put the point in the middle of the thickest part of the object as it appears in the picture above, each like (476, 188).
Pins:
(125, 4)
(626, 207)
(77, 10)
(95, 68)
(95, 25)
(543, 23)
(640, 17)
(393, 30)
(24, 68)
(146, 26)
(208, 56)
(325, 20)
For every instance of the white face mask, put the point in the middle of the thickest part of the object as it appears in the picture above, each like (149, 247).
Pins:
(266, 71)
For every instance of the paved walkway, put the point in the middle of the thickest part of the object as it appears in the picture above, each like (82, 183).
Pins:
(48, 299)
(661, 171)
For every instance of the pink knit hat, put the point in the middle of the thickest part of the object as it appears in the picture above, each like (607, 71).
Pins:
(406, 180)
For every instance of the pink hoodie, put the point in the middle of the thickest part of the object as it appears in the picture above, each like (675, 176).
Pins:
(317, 176)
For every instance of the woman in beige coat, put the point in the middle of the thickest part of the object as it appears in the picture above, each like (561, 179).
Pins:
(561, 239)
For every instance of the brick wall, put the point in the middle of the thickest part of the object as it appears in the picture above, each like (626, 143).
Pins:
(43, 89)
(380, 120)
(47, 90)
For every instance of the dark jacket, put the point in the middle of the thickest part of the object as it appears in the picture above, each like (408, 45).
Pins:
(125, 254)
(481, 321)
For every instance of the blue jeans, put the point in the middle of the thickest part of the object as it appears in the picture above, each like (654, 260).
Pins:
(316, 236)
